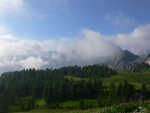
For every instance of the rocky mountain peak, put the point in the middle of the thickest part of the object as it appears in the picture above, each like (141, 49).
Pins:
(124, 60)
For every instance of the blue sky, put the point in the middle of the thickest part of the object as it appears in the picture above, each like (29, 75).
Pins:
(54, 33)
(43, 19)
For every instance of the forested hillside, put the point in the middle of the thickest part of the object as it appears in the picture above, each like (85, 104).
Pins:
(52, 85)
(22, 89)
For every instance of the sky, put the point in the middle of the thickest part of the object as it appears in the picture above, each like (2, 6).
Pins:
(55, 33)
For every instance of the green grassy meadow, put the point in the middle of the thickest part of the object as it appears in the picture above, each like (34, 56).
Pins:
(135, 78)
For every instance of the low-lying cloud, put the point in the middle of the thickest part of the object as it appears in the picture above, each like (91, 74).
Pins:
(137, 41)
(88, 48)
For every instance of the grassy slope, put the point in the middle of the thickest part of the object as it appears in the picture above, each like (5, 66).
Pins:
(135, 78)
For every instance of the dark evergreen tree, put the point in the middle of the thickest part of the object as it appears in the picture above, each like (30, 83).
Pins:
(119, 90)
(112, 93)
(143, 87)
(101, 101)
(128, 90)
(82, 104)
(142, 67)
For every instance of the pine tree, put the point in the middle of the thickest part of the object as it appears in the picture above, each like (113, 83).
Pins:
(82, 104)
(112, 93)
(100, 101)
(143, 87)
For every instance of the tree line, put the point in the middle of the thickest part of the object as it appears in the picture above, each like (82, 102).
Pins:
(88, 71)
(141, 67)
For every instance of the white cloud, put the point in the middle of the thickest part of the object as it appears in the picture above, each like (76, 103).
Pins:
(94, 45)
(136, 41)
(33, 62)
(88, 46)
(10, 7)
(17, 54)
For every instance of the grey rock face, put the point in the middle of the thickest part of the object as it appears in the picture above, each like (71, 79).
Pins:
(124, 61)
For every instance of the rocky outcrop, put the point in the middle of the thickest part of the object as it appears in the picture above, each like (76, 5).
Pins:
(124, 60)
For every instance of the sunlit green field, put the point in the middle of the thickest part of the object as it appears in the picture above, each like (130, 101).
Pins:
(135, 78)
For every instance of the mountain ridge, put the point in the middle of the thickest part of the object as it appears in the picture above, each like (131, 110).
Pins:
(124, 60)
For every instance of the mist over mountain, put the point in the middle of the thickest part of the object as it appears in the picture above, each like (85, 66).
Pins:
(148, 59)
(88, 48)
